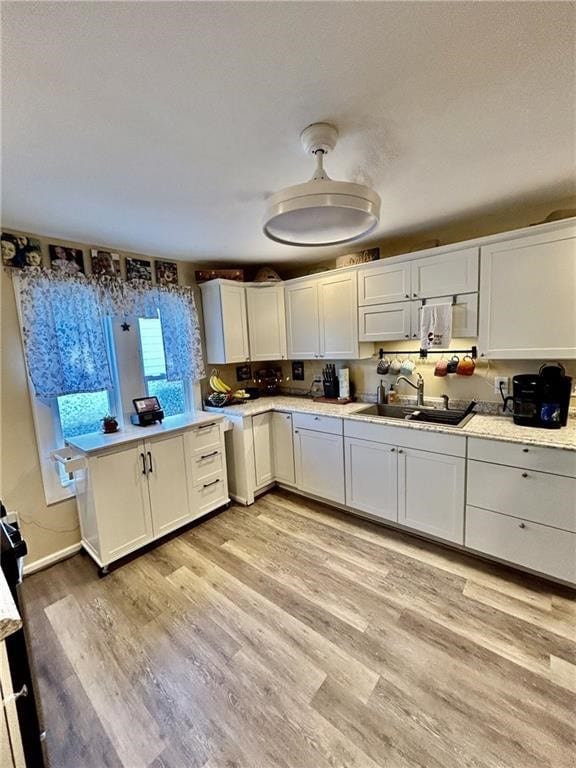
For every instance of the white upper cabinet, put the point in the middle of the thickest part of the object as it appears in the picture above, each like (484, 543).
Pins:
(384, 284)
(444, 274)
(266, 321)
(225, 321)
(385, 322)
(302, 320)
(322, 318)
(528, 297)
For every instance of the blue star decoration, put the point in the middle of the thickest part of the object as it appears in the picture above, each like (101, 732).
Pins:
(125, 326)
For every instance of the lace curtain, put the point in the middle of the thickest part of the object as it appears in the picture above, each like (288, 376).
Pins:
(63, 328)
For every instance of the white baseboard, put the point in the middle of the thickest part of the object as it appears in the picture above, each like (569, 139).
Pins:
(55, 557)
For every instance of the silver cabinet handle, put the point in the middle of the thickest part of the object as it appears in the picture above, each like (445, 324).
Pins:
(207, 485)
(522, 525)
(207, 455)
(144, 472)
(524, 474)
(150, 469)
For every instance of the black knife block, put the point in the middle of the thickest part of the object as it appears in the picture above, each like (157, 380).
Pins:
(331, 388)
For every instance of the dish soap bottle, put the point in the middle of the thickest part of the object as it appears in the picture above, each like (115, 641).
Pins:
(392, 395)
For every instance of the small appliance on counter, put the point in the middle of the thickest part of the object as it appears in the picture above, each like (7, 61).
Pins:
(541, 399)
(148, 411)
(268, 380)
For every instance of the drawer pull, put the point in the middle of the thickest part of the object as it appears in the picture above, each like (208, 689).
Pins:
(150, 462)
(316, 418)
(207, 485)
(400, 450)
(525, 450)
(522, 525)
(524, 474)
(295, 431)
(207, 455)
(207, 426)
(143, 463)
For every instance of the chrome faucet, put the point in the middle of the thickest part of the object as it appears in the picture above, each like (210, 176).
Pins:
(418, 386)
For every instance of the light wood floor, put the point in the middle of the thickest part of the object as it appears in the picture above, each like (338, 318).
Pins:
(288, 634)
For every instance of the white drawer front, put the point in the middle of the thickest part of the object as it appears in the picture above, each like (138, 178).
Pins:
(330, 424)
(553, 460)
(536, 496)
(208, 494)
(546, 550)
(204, 436)
(437, 442)
(207, 462)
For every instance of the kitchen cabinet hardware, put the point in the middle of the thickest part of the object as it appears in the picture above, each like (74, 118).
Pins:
(524, 474)
(150, 467)
(400, 450)
(392, 450)
(295, 431)
(208, 455)
(415, 295)
(525, 450)
(406, 335)
(207, 485)
(143, 463)
(521, 525)
(407, 295)
(207, 426)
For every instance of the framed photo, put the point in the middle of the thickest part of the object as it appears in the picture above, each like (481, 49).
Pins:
(243, 372)
(359, 257)
(166, 272)
(20, 251)
(297, 370)
(138, 269)
(69, 261)
(105, 263)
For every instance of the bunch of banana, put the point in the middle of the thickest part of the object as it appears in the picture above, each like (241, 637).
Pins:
(217, 384)
(241, 394)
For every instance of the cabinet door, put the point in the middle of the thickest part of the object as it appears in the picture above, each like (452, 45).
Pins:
(338, 311)
(528, 298)
(464, 315)
(168, 483)
(383, 284)
(283, 447)
(371, 477)
(385, 322)
(234, 323)
(263, 457)
(320, 464)
(122, 503)
(266, 322)
(302, 320)
(431, 493)
(445, 274)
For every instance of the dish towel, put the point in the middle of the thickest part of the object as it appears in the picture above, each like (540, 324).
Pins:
(435, 326)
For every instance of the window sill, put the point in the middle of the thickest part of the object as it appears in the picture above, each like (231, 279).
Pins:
(61, 494)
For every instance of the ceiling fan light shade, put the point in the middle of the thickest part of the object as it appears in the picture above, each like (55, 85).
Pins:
(321, 212)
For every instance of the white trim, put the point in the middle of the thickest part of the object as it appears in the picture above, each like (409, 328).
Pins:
(55, 557)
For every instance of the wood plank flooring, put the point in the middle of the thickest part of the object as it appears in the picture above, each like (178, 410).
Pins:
(290, 635)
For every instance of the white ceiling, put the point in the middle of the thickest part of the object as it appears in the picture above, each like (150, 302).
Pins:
(161, 127)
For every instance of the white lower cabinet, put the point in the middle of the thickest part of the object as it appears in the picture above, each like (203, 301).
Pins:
(263, 456)
(319, 458)
(431, 493)
(283, 447)
(139, 491)
(372, 478)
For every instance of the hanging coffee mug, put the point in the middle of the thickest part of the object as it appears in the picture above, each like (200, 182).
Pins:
(441, 368)
(452, 364)
(383, 366)
(407, 367)
(466, 366)
(395, 366)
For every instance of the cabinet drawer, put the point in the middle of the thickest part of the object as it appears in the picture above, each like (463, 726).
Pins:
(330, 424)
(204, 435)
(412, 437)
(527, 456)
(208, 494)
(530, 495)
(207, 462)
(538, 547)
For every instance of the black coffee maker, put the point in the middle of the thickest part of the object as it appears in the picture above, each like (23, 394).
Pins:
(541, 399)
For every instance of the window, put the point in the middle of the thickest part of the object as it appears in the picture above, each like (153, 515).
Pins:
(171, 394)
(80, 414)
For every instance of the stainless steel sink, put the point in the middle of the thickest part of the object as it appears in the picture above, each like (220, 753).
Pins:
(453, 418)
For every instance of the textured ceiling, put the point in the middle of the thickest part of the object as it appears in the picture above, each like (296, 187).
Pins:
(161, 127)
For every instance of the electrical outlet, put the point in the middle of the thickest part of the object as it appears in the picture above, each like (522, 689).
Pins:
(501, 384)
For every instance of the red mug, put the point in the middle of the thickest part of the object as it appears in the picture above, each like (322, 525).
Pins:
(441, 368)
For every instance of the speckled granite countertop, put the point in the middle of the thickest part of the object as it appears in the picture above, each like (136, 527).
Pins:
(9, 617)
(481, 425)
